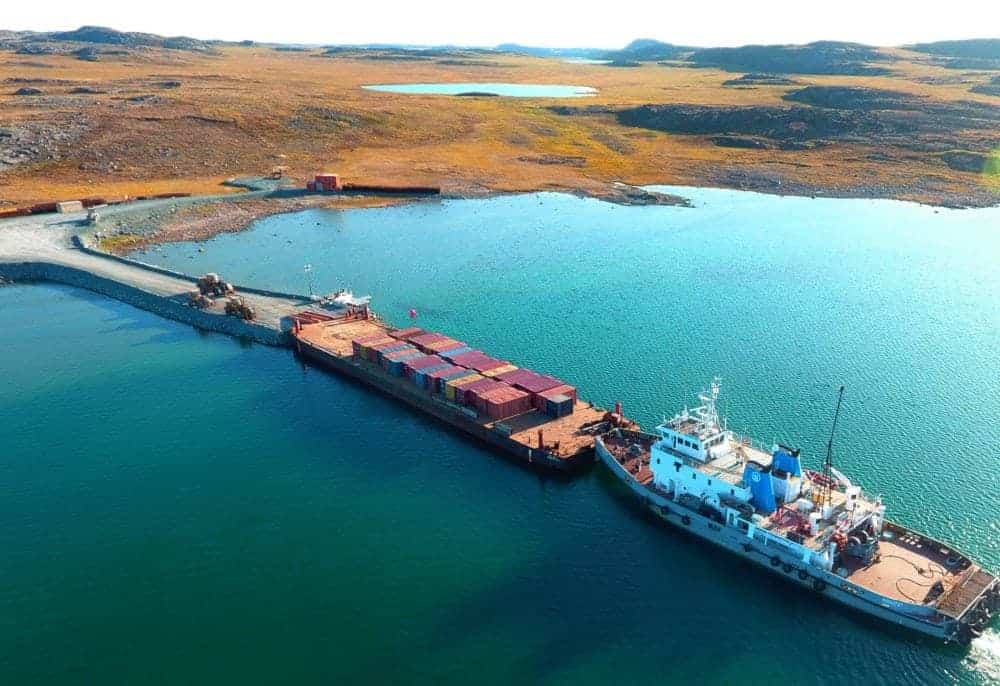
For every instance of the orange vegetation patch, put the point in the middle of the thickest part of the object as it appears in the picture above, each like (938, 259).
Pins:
(248, 109)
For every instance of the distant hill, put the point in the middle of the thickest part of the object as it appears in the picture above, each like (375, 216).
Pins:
(978, 48)
(534, 51)
(103, 35)
(824, 57)
(977, 53)
(649, 50)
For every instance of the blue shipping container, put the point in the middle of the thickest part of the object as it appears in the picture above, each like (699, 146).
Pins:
(396, 366)
(420, 376)
(382, 352)
(559, 406)
(452, 354)
(440, 382)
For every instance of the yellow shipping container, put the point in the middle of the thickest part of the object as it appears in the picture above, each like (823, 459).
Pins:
(450, 386)
(500, 370)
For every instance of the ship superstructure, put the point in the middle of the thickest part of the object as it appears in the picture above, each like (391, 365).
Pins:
(815, 527)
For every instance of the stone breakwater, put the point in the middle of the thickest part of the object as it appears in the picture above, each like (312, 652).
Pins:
(49, 248)
(170, 307)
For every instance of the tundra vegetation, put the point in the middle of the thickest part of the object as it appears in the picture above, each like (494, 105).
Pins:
(96, 112)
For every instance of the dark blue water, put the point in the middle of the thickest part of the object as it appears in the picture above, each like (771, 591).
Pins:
(183, 508)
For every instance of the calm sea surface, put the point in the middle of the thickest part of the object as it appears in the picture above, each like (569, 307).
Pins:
(180, 508)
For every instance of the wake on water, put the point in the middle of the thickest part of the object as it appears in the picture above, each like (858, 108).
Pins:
(984, 656)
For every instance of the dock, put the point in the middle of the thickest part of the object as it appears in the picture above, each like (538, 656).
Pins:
(47, 248)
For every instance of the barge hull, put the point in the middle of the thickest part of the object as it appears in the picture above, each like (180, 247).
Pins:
(441, 411)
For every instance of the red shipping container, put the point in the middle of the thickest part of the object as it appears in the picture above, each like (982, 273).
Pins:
(539, 399)
(478, 361)
(489, 363)
(399, 354)
(470, 393)
(373, 349)
(465, 395)
(511, 377)
(432, 377)
(406, 334)
(445, 344)
(487, 398)
(502, 403)
(530, 381)
(465, 359)
(365, 349)
(418, 363)
(422, 340)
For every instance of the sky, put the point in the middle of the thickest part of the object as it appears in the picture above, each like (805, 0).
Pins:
(554, 23)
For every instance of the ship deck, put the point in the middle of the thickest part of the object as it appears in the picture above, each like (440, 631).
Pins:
(564, 436)
(905, 570)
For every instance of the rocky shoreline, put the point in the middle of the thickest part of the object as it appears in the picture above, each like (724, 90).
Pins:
(198, 219)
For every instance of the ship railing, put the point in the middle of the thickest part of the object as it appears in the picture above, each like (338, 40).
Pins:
(747, 441)
(768, 539)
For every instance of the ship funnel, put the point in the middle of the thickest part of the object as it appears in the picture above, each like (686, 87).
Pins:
(761, 487)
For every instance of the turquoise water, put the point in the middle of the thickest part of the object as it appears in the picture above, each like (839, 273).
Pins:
(510, 90)
(193, 509)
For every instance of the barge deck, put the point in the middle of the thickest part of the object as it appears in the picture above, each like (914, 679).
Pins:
(563, 444)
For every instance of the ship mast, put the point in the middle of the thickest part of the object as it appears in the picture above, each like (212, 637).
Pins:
(828, 463)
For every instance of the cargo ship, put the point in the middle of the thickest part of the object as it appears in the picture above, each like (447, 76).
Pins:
(815, 529)
(536, 419)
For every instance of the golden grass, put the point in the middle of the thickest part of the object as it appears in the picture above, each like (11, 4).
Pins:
(249, 109)
(121, 243)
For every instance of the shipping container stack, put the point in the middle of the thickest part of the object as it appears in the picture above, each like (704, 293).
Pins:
(504, 402)
(479, 361)
(420, 377)
(414, 365)
(406, 334)
(435, 379)
(425, 339)
(542, 388)
(495, 389)
(364, 348)
(393, 362)
(452, 386)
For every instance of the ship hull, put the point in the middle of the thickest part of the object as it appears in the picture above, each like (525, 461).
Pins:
(791, 569)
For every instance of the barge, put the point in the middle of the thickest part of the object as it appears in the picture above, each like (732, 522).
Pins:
(814, 529)
(561, 443)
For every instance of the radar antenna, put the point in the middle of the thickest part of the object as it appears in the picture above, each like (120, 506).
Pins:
(710, 398)
(828, 478)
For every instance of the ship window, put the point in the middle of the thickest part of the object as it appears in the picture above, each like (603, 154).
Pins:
(709, 482)
(732, 491)
(693, 476)
(657, 460)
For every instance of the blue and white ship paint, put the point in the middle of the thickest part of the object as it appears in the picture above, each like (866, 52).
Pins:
(816, 529)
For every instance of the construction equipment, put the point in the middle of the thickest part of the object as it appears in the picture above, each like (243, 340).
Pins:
(199, 300)
(238, 307)
(211, 285)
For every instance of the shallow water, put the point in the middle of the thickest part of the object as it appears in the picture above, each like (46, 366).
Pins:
(510, 90)
(196, 509)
